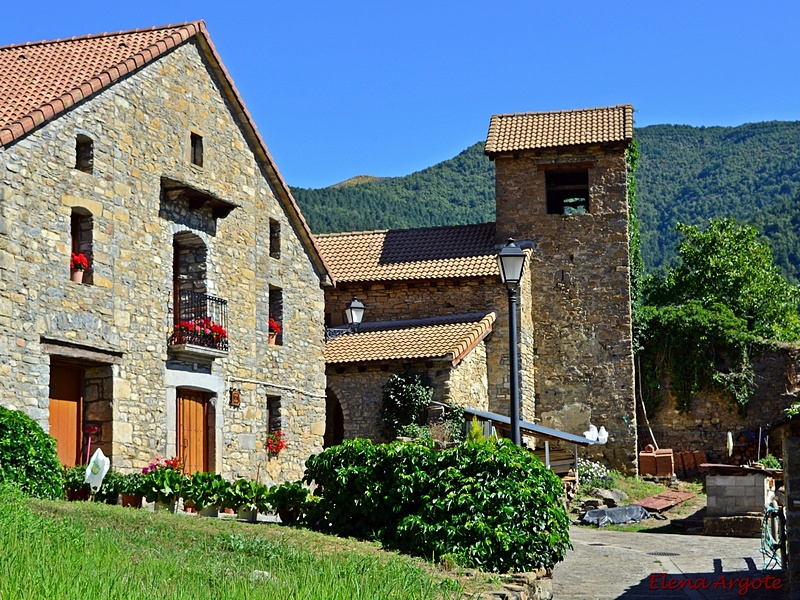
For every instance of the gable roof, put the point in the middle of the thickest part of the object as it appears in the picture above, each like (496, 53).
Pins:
(42, 80)
(427, 253)
(444, 338)
(531, 131)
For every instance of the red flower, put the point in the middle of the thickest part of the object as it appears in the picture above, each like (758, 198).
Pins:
(274, 326)
(78, 262)
(275, 443)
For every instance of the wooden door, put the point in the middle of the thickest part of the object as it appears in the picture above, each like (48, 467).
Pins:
(193, 430)
(66, 404)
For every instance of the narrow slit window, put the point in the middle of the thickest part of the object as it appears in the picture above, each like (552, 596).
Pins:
(274, 238)
(276, 312)
(568, 192)
(273, 414)
(84, 154)
(196, 141)
(81, 226)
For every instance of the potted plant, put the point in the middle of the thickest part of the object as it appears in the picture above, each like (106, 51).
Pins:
(248, 497)
(130, 486)
(109, 490)
(200, 332)
(275, 443)
(78, 263)
(162, 483)
(75, 483)
(206, 492)
(288, 500)
(274, 330)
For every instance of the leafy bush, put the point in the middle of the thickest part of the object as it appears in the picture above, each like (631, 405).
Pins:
(491, 505)
(75, 478)
(28, 456)
(405, 398)
(595, 475)
(131, 483)
(206, 489)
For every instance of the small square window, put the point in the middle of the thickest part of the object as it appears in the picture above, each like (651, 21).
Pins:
(567, 192)
(196, 141)
(274, 239)
(84, 154)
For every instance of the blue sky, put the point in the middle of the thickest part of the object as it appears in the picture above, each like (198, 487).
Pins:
(339, 89)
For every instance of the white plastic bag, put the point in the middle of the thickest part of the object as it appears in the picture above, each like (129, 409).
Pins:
(97, 469)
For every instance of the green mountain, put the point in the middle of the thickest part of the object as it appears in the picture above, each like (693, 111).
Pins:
(686, 174)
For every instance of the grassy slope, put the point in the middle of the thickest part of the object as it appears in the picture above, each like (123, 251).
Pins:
(90, 550)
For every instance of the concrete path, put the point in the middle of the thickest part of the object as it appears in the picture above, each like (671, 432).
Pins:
(656, 566)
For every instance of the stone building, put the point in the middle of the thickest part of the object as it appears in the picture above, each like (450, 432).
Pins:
(135, 150)
(561, 182)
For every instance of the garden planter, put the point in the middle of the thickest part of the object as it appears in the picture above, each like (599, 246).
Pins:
(288, 515)
(160, 506)
(246, 514)
(77, 276)
(77, 495)
(132, 500)
(208, 511)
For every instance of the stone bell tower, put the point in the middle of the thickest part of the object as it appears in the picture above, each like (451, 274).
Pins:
(561, 181)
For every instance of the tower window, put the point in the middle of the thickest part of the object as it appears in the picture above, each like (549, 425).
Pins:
(84, 154)
(567, 192)
(196, 141)
(276, 310)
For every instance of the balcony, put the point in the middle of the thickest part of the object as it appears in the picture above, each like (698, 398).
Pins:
(200, 333)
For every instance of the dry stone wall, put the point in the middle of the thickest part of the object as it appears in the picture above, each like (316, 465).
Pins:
(141, 130)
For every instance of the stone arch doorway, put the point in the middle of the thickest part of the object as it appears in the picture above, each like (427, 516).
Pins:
(334, 420)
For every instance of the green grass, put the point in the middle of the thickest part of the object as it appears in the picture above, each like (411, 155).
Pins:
(90, 550)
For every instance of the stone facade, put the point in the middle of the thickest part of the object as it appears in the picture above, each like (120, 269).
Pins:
(141, 200)
(710, 417)
(579, 311)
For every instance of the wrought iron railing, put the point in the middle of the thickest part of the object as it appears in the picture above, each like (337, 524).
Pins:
(200, 320)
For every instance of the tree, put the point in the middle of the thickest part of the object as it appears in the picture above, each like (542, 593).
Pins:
(702, 320)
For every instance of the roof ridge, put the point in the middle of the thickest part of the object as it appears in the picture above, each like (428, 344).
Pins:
(560, 112)
(199, 23)
(430, 228)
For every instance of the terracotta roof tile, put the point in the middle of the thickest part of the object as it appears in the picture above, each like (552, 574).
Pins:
(429, 253)
(448, 339)
(529, 131)
(43, 79)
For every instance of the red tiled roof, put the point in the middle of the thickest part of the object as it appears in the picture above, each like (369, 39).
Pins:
(41, 80)
(450, 338)
(429, 253)
(530, 131)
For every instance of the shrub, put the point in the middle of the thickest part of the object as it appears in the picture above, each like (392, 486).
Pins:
(491, 505)
(595, 475)
(405, 398)
(28, 456)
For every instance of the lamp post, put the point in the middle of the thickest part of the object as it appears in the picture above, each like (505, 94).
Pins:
(511, 260)
(354, 313)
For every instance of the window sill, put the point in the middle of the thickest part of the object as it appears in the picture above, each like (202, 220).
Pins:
(193, 353)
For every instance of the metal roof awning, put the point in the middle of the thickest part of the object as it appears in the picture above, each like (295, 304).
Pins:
(539, 431)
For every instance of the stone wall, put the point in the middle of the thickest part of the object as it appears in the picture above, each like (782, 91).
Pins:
(359, 388)
(402, 300)
(731, 495)
(580, 294)
(141, 129)
(711, 416)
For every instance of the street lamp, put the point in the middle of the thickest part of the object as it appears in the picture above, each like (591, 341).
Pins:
(511, 260)
(354, 313)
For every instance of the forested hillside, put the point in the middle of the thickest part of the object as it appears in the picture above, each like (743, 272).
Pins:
(686, 174)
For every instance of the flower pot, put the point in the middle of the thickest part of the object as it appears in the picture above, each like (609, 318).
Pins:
(229, 511)
(78, 495)
(77, 275)
(132, 500)
(273, 338)
(160, 506)
(288, 515)
(249, 515)
(208, 511)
